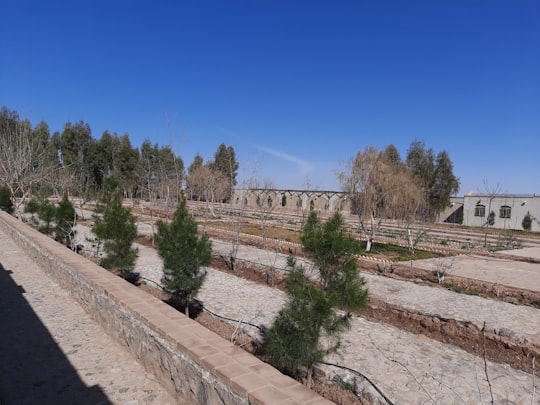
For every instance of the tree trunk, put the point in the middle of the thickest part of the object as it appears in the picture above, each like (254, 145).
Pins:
(368, 244)
(309, 377)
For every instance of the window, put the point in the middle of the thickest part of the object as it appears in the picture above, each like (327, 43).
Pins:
(480, 210)
(505, 211)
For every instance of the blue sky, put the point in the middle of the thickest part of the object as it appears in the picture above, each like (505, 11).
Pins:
(294, 86)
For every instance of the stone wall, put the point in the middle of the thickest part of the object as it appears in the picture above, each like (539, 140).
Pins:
(193, 363)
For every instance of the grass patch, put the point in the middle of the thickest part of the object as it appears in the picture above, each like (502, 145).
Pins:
(272, 232)
(471, 290)
(398, 253)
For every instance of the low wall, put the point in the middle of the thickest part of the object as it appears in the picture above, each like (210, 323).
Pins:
(193, 363)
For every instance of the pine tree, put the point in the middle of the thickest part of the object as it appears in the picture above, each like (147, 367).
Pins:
(295, 339)
(118, 231)
(5, 200)
(64, 217)
(184, 252)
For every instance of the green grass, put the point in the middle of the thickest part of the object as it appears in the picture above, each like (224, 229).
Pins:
(398, 253)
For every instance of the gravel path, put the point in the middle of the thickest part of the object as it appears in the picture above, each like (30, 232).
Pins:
(409, 368)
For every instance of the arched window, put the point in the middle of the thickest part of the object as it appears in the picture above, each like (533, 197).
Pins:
(480, 210)
(505, 211)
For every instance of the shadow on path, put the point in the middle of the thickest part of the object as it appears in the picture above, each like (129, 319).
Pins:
(33, 368)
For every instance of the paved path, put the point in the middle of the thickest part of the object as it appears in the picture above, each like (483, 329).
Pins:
(494, 270)
(411, 369)
(52, 352)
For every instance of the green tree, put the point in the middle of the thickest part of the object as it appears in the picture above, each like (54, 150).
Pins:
(225, 162)
(47, 214)
(295, 339)
(491, 219)
(5, 200)
(308, 328)
(32, 207)
(527, 222)
(117, 229)
(444, 183)
(64, 217)
(74, 145)
(435, 175)
(198, 161)
(126, 165)
(184, 252)
(391, 156)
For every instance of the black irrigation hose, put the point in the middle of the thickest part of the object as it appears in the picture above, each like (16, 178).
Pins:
(152, 281)
(261, 329)
(388, 401)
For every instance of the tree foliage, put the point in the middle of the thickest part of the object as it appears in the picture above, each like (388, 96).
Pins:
(526, 223)
(435, 174)
(64, 217)
(225, 162)
(117, 229)
(184, 252)
(72, 161)
(308, 328)
(381, 187)
(5, 200)
(25, 155)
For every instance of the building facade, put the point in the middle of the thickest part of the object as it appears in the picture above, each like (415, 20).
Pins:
(472, 210)
(508, 211)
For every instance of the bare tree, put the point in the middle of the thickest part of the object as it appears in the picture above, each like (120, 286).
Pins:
(207, 185)
(265, 202)
(492, 193)
(443, 267)
(379, 189)
(25, 157)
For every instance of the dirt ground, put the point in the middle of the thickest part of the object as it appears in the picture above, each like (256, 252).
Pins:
(467, 336)
(328, 389)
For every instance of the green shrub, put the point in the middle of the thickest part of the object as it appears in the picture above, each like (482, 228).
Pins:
(5, 200)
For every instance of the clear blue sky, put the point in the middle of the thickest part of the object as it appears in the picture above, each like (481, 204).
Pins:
(294, 86)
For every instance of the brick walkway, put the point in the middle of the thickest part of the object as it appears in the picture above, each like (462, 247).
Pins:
(52, 352)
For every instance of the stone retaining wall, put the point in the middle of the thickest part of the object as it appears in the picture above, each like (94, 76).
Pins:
(193, 363)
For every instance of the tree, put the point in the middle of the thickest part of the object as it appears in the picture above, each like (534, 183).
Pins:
(492, 193)
(391, 156)
(160, 172)
(170, 172)
(527, 222)
(25, 155)
(444, 183)
(47, 214)
(308, 328)
(117, 229)
(207, 184)
(74, 146)
(225, 162)
(184, 252)
(126, 165)
(64, 218)
(5, 200)
(295, 339)
(435, 175)
(379, 188)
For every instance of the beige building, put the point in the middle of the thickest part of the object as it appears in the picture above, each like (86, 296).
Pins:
(472, 210)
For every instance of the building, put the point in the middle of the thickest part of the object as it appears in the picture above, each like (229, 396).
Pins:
(472, 210)
(509, 210)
